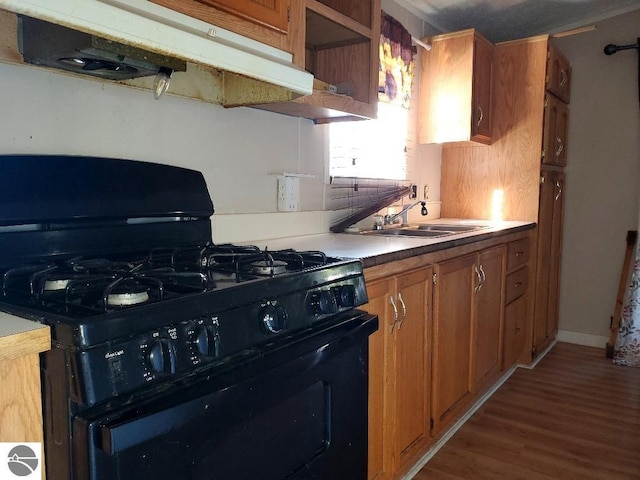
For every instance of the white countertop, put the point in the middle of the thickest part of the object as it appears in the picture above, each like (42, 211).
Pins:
(20, 337)
(374, 249)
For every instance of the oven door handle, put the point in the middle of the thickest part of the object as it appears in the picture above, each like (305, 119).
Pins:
(120, 436)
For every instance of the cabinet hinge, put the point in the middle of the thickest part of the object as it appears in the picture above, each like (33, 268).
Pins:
(542, 155)
(434, 279)
(542, 179)
(534, 350)
(546, 101)
(288, 14)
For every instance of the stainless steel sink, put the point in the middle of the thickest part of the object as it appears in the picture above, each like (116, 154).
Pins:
(430, 230)
(409, 232)
(449, 228)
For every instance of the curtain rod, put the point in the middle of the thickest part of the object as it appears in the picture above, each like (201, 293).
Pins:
(419, 42)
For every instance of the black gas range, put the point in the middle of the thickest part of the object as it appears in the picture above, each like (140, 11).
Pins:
(172, 354)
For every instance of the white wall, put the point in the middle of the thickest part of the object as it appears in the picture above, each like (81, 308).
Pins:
(239, 150)
(603, 172)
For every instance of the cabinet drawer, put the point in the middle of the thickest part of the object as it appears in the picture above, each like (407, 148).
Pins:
(516, 285)
(517, 253)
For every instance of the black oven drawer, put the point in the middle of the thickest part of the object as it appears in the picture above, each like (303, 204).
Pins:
(301, 413)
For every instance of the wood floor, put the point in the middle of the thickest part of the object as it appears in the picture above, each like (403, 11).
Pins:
(574, 416)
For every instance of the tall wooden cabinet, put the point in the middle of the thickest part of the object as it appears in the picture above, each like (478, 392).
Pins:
(547, 284)
(520, 175)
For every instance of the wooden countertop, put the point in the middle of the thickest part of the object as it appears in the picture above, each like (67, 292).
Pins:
(374, 249)
(20, 337)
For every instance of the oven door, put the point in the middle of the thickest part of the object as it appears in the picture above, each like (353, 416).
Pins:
(296, 412)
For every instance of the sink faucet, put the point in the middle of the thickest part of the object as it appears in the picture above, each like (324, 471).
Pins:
(390, 219)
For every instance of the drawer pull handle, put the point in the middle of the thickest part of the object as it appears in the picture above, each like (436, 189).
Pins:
(404, 310)
(395, 314)
(517, 284)
(520, 253)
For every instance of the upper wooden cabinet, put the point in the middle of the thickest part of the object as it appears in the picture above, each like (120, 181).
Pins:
(272, 22)
(340, 39)
(558, 74)
(456, 89)
(270, 13)
(335, 40)
(554, 134)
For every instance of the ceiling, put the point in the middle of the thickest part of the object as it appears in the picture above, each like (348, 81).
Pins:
(501, 20)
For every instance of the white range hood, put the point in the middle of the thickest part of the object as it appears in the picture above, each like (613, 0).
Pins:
(145, 25)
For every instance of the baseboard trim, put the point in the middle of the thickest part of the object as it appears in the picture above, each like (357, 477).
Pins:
(456, 426)
(586, 339)
(533, 364)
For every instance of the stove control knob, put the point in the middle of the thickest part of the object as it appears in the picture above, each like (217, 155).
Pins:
(207, 341)
(324, 302)
(345, 296)
(274, 318)
(162, 356)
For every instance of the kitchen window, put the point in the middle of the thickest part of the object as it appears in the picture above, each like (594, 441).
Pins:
(371, 148)
(378, 148)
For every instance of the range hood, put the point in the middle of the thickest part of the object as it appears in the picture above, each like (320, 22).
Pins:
(144, 25)
(51, 45)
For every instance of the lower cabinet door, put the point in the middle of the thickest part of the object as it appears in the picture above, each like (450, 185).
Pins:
(452, 381)
(487, 345)
(411, 369)
(399, 372)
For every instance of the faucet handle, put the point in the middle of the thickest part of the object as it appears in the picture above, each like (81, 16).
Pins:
(423, 211)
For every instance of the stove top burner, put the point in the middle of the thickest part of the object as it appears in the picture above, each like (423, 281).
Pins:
(269, 267)
(85, 286)
(55, 284)
(127, 295)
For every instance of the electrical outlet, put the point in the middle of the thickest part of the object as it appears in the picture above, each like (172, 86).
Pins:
(288, 194)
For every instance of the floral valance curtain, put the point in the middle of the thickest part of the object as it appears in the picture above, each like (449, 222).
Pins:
(396, 62)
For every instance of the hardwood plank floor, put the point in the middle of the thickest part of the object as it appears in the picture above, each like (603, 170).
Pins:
(574, 416)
